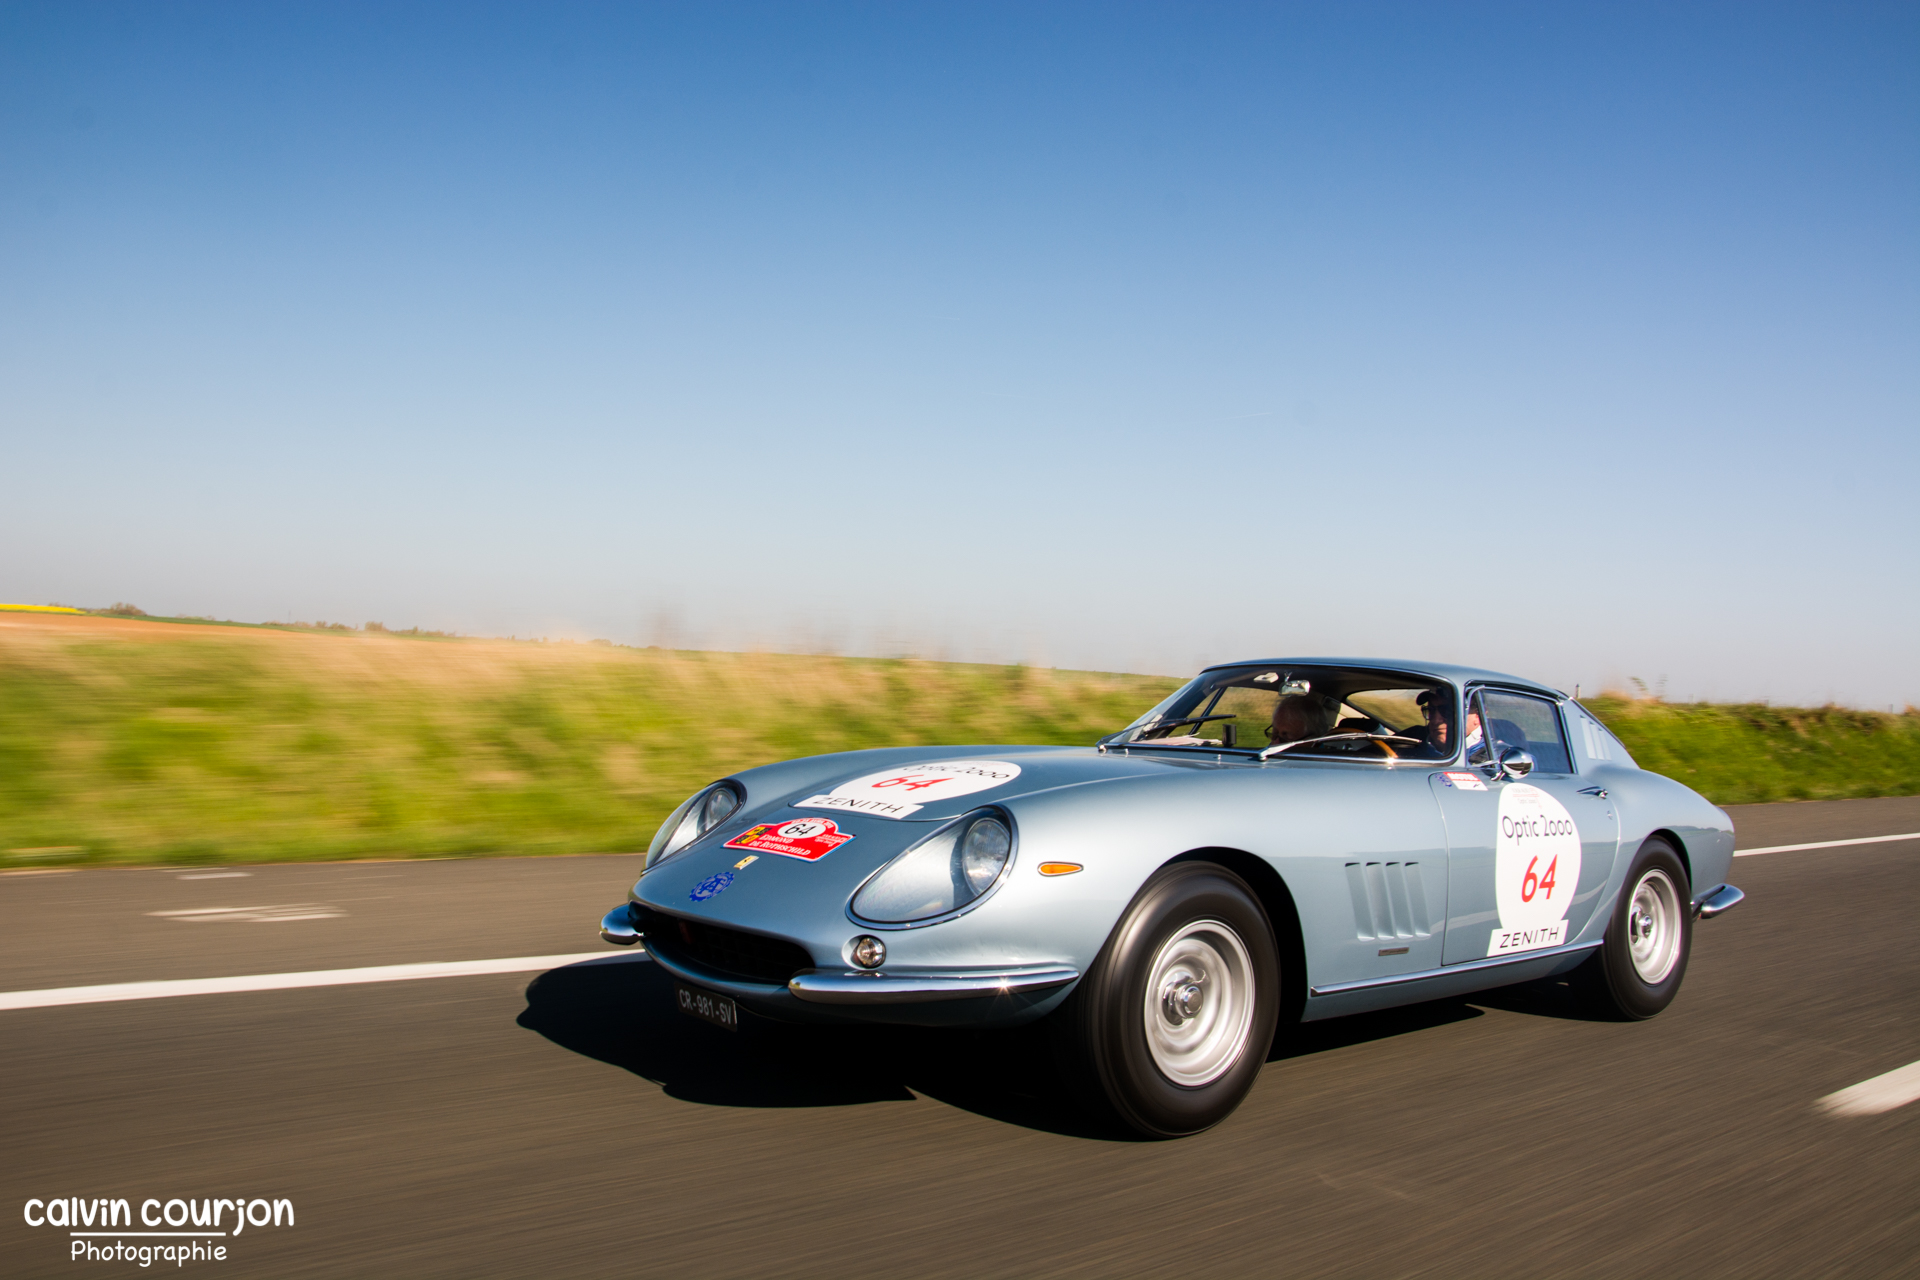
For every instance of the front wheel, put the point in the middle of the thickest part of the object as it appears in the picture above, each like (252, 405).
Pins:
(1172, 1022)
(1637, 971)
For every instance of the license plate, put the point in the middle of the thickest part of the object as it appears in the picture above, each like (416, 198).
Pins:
(706, 1006)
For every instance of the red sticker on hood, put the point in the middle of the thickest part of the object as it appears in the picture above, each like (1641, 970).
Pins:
(809, 838)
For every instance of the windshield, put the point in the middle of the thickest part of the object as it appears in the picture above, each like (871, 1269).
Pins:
(1350, 712)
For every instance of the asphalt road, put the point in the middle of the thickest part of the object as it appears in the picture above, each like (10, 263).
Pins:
(575, 1125)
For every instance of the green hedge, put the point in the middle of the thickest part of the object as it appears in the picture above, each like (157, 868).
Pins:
(1744, 753)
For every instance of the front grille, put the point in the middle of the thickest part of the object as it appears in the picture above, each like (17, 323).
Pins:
(751, 957)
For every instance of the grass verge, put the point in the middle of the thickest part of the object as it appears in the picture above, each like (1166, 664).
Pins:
(132, 740)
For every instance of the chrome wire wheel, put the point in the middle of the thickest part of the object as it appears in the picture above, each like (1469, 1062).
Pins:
(1653, 927)
(1200, 1001)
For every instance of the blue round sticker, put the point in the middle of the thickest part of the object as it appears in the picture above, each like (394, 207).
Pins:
(710, 887)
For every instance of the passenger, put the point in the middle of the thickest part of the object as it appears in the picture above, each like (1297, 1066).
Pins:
(1476, 741)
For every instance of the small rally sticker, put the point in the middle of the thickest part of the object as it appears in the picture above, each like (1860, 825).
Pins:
(711, 887)
(900, 793)
(1536, 868)
(1465, 780)
(810, 839)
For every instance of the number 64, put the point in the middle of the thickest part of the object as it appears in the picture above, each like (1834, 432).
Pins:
(1530, 884)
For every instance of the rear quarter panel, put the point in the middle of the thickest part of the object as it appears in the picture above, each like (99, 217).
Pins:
(1650, 802)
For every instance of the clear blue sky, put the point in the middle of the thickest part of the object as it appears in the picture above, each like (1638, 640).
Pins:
(1577, 340)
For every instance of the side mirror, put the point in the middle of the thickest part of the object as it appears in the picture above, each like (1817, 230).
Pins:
(1515, 763)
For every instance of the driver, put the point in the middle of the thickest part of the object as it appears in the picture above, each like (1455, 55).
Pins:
(1296, 718)
(1439, 727)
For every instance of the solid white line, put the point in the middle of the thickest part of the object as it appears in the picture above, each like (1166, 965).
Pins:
(1870, 1097)
(1823, 844)
(198, 1235)
(112, 991)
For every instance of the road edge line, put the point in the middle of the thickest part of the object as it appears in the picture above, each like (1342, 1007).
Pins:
(114, 992)
(1824, 844)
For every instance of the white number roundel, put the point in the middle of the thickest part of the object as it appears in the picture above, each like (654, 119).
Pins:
(924, 782)
(1536, 859)
(905, 790)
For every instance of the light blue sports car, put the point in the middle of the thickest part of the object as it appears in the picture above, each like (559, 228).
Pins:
(1276, 842)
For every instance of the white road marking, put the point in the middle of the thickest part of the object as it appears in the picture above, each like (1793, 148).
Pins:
(216, 875)
(1870, 1097)
(107, 993)
(1823, 844)
(253, 915)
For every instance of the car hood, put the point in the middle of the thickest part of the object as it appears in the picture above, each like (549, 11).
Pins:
(878, 803)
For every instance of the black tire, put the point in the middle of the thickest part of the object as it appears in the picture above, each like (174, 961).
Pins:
(1185, 913)
(1614, 982)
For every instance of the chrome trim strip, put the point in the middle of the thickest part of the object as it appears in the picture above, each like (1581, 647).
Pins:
(1469, 966)
(854, 986)
(1725, 898)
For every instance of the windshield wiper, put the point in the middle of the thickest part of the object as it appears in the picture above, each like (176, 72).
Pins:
(1119, 740)
(1168, 724)
(1229, 715)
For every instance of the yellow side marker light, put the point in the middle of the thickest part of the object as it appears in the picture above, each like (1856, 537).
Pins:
(1058, 868)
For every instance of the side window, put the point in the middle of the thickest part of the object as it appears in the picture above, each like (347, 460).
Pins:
(1531, 724)
(1597, 742)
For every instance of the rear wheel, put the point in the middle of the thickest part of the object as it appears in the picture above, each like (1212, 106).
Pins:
(1172, 1023)
(1637, 971)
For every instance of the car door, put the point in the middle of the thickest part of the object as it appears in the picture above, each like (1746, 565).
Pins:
(1359, 843)
(1527, 857)
(1364, 850)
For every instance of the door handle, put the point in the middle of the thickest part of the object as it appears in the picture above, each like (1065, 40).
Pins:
(1598, 793)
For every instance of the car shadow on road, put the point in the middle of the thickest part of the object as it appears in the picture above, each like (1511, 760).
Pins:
(624, 1014)
(1542, 998)
(1308, 1038)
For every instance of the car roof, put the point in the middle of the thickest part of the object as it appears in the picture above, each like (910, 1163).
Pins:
(1443, 670)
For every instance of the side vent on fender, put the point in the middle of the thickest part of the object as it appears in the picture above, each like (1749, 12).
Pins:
(1388, 901)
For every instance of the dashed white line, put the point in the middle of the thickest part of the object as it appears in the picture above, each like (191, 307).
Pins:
(107, 993)
(254, 915)
(1823, 844)
(1870, 1097)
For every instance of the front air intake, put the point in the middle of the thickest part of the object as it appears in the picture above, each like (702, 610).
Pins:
(732, 953)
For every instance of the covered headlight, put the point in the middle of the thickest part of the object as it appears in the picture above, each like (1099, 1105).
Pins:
(942, 874)
(705, 811)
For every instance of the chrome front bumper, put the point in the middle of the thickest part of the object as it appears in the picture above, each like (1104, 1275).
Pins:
(857, 986)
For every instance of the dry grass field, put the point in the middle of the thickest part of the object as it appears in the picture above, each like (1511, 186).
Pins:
(125, 739)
